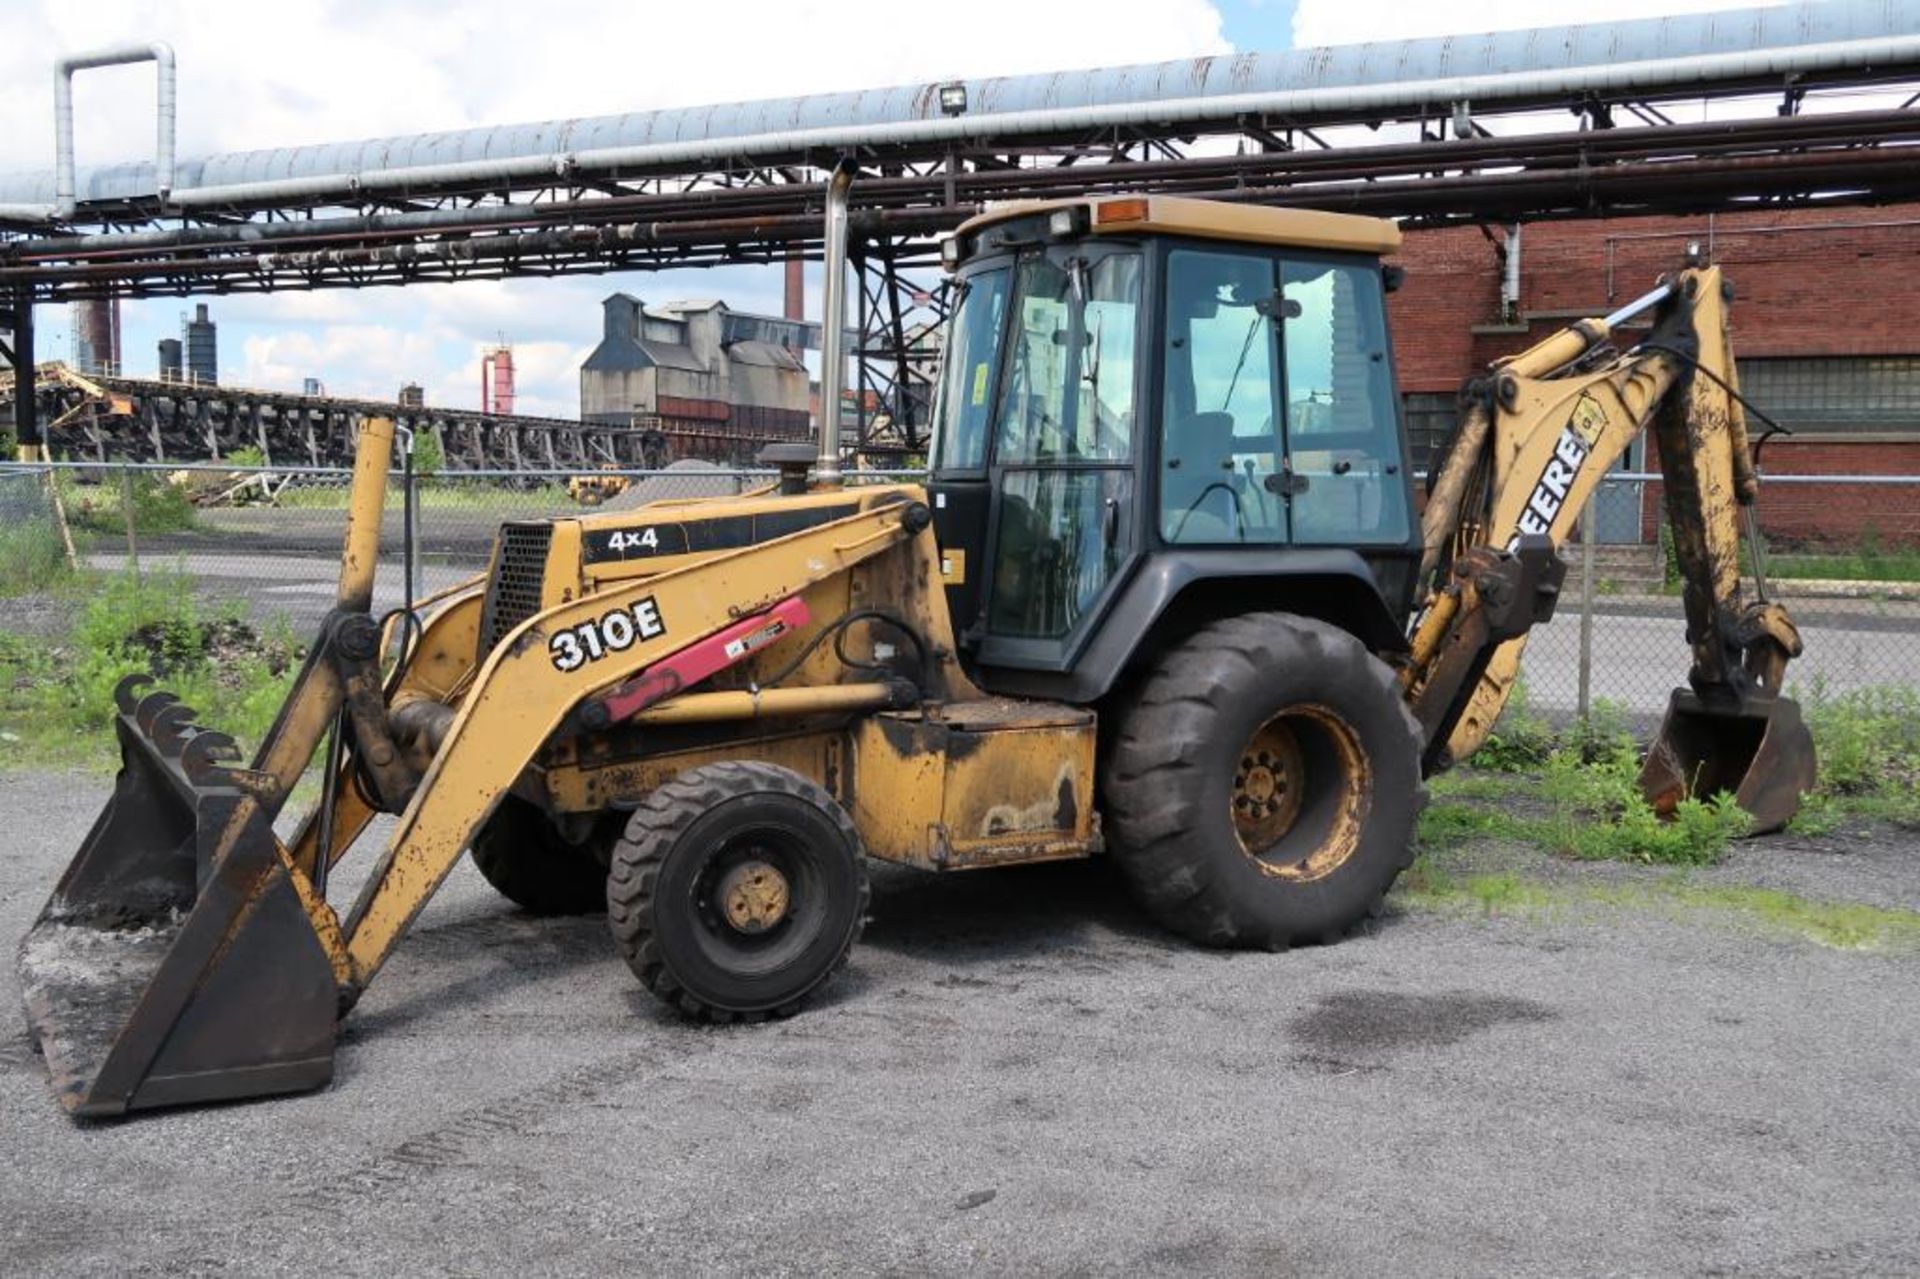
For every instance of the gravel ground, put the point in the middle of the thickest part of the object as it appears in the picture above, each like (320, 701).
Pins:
(1018, 1074)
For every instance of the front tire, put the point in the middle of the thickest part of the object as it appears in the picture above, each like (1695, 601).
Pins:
(737, 891)
(1264, 786)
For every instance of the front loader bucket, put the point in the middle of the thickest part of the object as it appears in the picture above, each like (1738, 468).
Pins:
(175, 962)
(1757, 750)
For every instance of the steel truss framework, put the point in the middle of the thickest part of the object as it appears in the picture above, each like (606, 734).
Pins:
(1779, 144)
(119, 419)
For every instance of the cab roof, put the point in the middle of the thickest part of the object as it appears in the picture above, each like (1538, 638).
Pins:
(1207, 219)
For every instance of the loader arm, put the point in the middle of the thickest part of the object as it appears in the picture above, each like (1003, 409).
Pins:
(1537, 437)
(546, 667)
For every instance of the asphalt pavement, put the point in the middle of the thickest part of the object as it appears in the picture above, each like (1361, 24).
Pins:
(1020, 1074)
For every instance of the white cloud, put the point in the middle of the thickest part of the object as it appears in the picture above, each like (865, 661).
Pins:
(254, 75)
(1318, 22)
(303, 71)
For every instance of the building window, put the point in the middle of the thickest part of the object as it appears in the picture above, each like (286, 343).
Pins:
(1430, 418)
(1867, 393)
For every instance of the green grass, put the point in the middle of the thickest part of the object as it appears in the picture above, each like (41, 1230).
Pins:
(1581, 809)
(1866, 564)
(56, 699)
(442, 495)
(33, 559)
(1579, 784)
(1838, 925)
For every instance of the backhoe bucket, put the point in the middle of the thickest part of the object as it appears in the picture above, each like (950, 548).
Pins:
(1758, 750)
(175, 962)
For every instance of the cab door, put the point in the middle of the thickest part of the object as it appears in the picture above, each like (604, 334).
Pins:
(1062, 526)
(960, 489)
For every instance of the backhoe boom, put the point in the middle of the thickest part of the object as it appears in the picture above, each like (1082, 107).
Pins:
(1536, 440)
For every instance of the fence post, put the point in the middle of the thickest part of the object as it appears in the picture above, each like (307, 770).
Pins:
(1584, 706)
(126, 509)
(409, 516)
(60, 519)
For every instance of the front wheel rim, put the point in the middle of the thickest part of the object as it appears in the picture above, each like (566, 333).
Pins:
(759, 901)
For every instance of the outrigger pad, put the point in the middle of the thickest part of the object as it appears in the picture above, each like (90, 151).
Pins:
(1757, 750)
(175, 962)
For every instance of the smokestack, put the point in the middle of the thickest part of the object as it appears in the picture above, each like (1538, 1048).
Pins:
(203, 358)
(96, 335)
(795, 304)
(796, 293)
(496, 381)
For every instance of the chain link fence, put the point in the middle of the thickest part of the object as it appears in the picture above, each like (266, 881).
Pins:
(1842, 552)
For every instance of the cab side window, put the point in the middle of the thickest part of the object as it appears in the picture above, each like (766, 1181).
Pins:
(1343, 428)
(1219, 434)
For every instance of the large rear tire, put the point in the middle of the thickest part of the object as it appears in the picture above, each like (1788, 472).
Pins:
(1264, 785)
(737, 891)
(534, 866)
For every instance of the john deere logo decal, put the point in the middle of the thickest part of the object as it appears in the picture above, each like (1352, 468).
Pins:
(1570, 452)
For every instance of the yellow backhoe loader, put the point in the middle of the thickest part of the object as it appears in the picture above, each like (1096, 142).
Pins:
(1166, 596)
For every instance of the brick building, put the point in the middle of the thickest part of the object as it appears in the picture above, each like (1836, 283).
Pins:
(1826, 331)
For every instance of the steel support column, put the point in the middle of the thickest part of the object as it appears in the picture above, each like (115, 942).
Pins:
(898, 316)
(26, 417)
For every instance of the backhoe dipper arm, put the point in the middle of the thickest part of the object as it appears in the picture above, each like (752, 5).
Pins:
(1538, 436)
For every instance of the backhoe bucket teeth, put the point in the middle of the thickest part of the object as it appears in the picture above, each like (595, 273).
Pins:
(1757, 750)
(175, 962)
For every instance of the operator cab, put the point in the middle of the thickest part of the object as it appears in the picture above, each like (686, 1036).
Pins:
(1177, 388)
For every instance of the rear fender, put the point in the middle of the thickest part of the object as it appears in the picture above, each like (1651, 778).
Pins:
(1173, 594)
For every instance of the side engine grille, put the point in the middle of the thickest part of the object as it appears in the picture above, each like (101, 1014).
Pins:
(514, 593)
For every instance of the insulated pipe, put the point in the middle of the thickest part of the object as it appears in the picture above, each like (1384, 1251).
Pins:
(833, 323)
(1614, 78)
(1362, 162)
(161, 55)
(1510, 277)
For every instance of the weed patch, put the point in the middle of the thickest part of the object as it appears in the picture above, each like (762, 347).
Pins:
(56, 700)
(158, 506)
(32, 558)
(1521, 738)
(1589, 809)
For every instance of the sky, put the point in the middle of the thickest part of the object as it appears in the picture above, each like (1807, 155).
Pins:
(254, 75)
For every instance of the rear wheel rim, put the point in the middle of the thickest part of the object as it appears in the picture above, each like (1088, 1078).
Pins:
(1300, 794)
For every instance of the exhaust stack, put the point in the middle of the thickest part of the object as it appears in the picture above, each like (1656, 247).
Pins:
(833, 324)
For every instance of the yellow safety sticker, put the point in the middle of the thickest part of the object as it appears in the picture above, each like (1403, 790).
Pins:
(980, 383)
